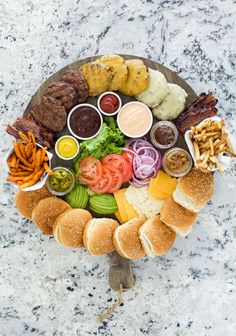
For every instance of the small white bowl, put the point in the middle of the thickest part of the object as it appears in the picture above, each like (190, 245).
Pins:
(72, 111)
(43, 178)
(61, 193)
(113, 94)
(149, 126)
(71, 157)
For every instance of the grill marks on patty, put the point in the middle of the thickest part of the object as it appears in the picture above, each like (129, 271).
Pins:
(59, 98)
(64, 92)
(50, 112)
(76, 78)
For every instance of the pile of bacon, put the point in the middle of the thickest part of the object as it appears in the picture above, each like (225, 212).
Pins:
(201, 108)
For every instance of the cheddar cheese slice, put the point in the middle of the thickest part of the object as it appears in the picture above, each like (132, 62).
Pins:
(125, 209)
(165, 183)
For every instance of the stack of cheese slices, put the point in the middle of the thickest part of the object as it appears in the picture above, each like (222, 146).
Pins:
(132, 240)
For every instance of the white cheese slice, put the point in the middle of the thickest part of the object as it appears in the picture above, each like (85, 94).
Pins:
(142, 202)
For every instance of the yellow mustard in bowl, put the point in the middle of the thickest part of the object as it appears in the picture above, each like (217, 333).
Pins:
(67, 147)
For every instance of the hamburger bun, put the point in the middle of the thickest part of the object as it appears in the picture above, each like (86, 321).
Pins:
(98, 233)
(177, 217)
(46, 212)
(126, 239)
(68, 228)
(26, 200)
(194, 190)
(156, 238)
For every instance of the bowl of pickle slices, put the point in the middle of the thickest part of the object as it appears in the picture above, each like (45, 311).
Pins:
(61, 182)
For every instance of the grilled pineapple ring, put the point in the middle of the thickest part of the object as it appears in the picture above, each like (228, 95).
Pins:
(138, 78)
(98, 77)
(118, 67)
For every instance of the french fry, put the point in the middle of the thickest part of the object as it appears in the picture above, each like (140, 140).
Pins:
(211, 146)
(196, 151)
(209, 140)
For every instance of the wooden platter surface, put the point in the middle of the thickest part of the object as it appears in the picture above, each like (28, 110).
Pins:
(120, 268)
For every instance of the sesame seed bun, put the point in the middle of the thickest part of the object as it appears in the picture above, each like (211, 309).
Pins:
(98, 233)
(68, 228)
(26, 200)
(126, 239)
(156, 238)
(177, 217)
(194, 190)
(46, 212)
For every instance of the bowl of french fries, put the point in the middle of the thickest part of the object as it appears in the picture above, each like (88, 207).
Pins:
(210, 145)
(28, 163)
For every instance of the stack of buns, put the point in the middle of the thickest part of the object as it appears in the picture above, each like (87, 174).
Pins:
(70, 227)
(192, 193)
(134, 239)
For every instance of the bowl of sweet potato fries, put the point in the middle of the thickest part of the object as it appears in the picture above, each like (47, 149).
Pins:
(28, 163)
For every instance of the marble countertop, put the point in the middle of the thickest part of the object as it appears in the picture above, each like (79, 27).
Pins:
(46, 289)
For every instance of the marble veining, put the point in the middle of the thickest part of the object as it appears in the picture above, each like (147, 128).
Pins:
(46, 289)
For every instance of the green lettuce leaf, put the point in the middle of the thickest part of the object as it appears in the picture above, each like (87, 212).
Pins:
(108, 141)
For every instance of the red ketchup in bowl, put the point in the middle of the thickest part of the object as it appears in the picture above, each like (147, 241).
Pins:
(109, 103)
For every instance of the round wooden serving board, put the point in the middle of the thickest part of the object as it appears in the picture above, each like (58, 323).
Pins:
(120, 268)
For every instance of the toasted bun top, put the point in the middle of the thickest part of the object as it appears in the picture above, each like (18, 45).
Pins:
(68, 228)
(198, 186)
(126, 239)
(26, 200)
(174, 214)
(156, 237)
(46, 212)
(98, 233)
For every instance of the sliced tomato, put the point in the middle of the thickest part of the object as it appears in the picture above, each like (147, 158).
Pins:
(129, 167)
(104, 184)
(90, 170)
(117, 178)
(119, 162)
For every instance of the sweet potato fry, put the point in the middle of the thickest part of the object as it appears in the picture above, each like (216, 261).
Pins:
(20, 157)
(29, 177)
(9, 162)
(30, 169)
(22, 149)
(47, 168)
(37, 161)
(32, 138)
(31, 159)
(43, 154)
(33, 180)
(17, 163)
(28, 150)
(13, 160)
(14, 178)
(20, 174)
(24, 137)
